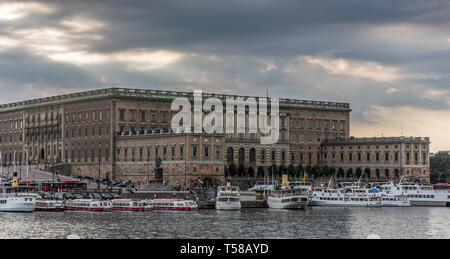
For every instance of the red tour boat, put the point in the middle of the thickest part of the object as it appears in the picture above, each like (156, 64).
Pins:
(130, 205)
(88, 205)
(173, 204)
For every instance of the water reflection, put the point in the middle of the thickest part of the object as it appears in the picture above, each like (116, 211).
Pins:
(414, 222)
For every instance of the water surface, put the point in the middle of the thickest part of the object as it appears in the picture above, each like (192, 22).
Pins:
(315, 222)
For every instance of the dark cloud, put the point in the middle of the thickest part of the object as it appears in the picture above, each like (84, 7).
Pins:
(247, 47)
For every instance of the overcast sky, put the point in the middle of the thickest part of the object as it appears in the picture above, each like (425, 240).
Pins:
(389, 59)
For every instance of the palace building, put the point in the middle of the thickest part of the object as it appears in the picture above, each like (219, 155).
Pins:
(380, 158)
(118, 133)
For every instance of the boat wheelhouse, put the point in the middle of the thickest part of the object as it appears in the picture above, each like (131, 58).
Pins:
(173, 204)
(228, 198)
(130, 205)
(88, 205)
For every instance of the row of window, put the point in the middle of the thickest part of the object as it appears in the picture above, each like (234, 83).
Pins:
(310, 136)
(85, 132)
(92, 115)
(358, 157)
(313, 123)
(87, 155)
(133, 115)
(10, 125)
(146, 154)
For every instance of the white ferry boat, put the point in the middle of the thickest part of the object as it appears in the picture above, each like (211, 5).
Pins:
(419, 195)
(287, 198)
(49, 205)
(228, 198)
(344, 198)
(88, 205)
(130, 205)
(17, 199)
(173, 204)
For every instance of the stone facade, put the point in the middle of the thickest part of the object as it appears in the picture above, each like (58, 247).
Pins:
(380, 158)
(86, 130)
(186, 159)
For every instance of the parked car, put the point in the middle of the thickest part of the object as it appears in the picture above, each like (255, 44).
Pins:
(106, 196)
(116, 196)
(95, 196)
(78, 196)
(58, 196)
(45, 195)
(124, 184)
(114, 182)
(68, 196)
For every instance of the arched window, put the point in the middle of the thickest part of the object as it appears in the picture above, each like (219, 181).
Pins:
(263, 156)
(397, 174)
(252, 156)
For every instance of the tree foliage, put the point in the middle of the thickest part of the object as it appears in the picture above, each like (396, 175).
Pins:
(241, 170)
(232, 170)
(261, 171)
(440, 168)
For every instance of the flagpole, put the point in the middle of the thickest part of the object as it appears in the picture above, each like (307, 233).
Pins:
(1, 163)
(27, 165)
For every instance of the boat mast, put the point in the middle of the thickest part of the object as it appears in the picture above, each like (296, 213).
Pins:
(1, 164)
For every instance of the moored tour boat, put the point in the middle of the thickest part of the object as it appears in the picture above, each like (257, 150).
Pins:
(173, 204)
(419, 195)
(17, 199)
(88, 205)
(130, 205)
(49, 205)
(287, 198)
(345, 198)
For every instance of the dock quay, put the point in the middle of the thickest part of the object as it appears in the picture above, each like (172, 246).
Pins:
(160, 195)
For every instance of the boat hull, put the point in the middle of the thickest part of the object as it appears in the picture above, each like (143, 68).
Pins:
(276, 203)
(229, 206)
(87, 209)
(345, 204)
(50, 210)
(288, 206)
(430, 203)
(129, 208)
(174, 208)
